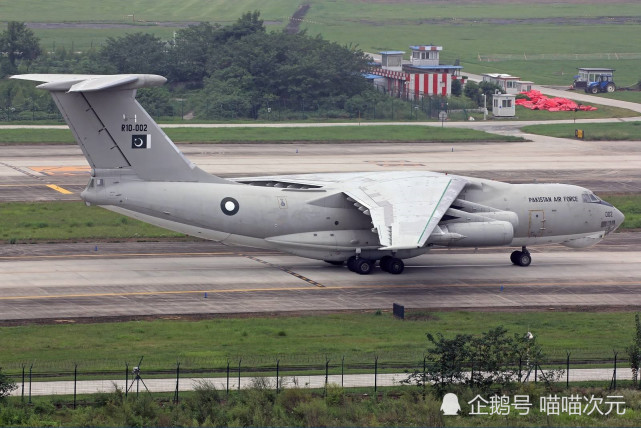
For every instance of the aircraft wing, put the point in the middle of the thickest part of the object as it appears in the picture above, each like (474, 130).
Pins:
(405, 206)
(405, 210)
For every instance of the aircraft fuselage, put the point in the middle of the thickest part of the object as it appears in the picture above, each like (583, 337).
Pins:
(321, 223)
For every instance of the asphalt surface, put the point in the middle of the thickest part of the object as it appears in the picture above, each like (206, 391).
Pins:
(613, 167)
(89, 280)
(94, 280)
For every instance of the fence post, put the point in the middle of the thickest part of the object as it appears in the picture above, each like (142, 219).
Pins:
(424, 373)
(520, 367)
(277, 370)
(567, 371)
(613, 384)
(30, 371)
(227, 376)
(375, 372)
(177, 380)
(126, 379)
(343, 371)
(239, 361)
(536, 371)
(23, 366)
(75, 381)
(326, 373)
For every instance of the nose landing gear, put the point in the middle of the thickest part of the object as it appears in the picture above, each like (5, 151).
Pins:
(521, 258)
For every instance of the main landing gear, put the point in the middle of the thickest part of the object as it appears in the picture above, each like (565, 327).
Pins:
(521, 258)
(363, 266)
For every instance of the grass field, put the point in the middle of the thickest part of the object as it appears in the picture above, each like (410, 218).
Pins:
(55, 221)
(336, 10)
(240, 134)
(149, 11)
(82, 39)
(298, 339)
(630, 206)
(631, 96)
(468, 31)
(591, 131)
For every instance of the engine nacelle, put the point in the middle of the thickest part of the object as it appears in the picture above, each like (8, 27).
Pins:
(473, 234)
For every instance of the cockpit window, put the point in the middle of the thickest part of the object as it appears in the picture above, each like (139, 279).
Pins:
(590, 198)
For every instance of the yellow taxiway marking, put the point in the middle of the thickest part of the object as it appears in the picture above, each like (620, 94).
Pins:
(61, 170)
(153, 293)
(337, 287)
(59, 189)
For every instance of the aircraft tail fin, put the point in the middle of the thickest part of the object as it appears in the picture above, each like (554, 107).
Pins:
(113, 130)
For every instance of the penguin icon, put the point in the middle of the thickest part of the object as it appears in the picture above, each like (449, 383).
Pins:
(450, 406)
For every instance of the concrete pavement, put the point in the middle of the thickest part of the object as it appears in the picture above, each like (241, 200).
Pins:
(220, 383)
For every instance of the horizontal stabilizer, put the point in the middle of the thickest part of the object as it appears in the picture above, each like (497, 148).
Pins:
(92, 83)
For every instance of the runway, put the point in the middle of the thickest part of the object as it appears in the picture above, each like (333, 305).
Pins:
(73, 281)
(67, 281)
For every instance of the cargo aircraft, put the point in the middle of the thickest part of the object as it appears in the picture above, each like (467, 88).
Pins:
(360, 218)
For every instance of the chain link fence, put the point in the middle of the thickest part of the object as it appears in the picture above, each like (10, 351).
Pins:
(70, 378)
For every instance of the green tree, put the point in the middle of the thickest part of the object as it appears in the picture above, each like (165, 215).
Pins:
(6, 385)
(472, 91)
(157, 101)
(136, 53)
(457, 88)
(18, 42)
(296, 70)
(480, 361)
(634, 350)
(489, 89)
(249, 23)
(190, 52)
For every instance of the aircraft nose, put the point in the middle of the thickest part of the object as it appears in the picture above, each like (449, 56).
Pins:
(618, 217)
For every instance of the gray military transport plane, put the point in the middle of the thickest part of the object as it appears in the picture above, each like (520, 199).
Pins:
(358, 218)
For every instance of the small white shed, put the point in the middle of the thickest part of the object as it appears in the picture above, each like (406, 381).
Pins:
(504, 105)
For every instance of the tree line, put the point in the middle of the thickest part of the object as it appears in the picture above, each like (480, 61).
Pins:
(217, 72)
(238, 70)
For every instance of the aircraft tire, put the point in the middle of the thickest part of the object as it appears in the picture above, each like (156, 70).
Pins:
(524, 259)
(396, 266)
(364, 266)
(351, 263)
(514, 257)
(385, 263)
